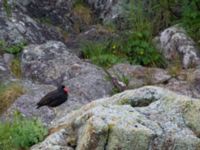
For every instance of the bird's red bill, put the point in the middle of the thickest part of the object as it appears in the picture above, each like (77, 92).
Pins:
(66, 89)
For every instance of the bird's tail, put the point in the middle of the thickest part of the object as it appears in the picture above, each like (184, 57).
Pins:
(38, 106)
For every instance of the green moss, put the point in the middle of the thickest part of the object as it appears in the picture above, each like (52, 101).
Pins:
(191, 115)
(124, 102)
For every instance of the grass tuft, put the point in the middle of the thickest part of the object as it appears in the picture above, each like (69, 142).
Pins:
(8, 94)
(15, 68)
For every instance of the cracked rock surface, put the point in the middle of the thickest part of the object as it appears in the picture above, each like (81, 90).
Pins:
(145, 118)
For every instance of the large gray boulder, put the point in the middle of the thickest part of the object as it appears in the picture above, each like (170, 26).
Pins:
(147, 118)
(51, 63)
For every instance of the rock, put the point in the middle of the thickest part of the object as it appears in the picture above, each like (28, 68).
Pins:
(106, 10)
(175, 45)
(4, 71)
(8, 58)
(51, 63)
(145, 118)
(26, 103)
(186, 83)
(19, 27)
(138, 76)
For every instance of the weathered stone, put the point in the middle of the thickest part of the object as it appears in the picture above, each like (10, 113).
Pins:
(145, 118)
(175, 45)
(4, 72)
(19, 27)
(52, 63)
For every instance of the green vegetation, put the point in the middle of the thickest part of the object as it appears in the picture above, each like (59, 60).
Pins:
(140, 25)
(8, 94)
(16, 48)
(45, 20)
(7, 8)
(191, 19)
(21, 133)
(12, 49)
(100, 53)
(134, 44)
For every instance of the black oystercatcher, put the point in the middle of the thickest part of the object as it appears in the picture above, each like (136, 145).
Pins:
(54, 98)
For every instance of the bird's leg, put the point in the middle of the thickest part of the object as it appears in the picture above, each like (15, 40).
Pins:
(53, 110)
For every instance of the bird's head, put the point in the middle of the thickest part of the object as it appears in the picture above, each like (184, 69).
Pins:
(65, 89)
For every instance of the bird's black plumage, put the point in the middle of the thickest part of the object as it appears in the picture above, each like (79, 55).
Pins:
(54, 98)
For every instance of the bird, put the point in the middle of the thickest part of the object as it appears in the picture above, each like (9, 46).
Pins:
(54, 98)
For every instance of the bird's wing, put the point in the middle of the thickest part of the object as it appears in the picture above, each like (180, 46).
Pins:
(48, 98)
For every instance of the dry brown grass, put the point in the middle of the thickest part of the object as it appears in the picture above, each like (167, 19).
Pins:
(15, 68)
(8, 94)
(83, 16)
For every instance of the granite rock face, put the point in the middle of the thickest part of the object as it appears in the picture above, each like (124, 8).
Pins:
(145, 118)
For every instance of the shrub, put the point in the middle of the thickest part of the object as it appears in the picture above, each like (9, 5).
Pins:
(137, 43)
(140, 50)
(21, 133)
(8, 94)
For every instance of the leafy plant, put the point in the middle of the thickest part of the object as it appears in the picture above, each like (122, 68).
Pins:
(15, 48)
(21, 133)
(8, 94)
(140, 51)
(136, 43)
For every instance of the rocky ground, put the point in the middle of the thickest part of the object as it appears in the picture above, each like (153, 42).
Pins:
(149, 117)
